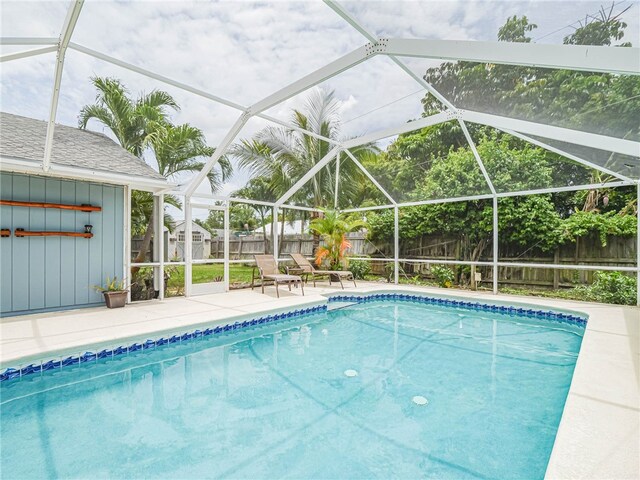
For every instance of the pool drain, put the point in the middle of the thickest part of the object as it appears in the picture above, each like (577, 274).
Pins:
(351, 373)
(420, 400)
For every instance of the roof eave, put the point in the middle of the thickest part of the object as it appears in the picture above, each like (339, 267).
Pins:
(137, 182)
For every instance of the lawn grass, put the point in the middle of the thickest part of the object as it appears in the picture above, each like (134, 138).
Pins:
(239, 276)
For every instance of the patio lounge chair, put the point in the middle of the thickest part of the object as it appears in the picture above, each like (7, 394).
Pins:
(268, 269)
(307, 267)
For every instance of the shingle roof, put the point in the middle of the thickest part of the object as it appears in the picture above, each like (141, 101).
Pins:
(24, 138)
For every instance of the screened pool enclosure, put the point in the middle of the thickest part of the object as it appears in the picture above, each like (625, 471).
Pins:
(245, 77)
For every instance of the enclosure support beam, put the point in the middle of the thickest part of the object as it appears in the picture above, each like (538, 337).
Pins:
(404, 128)
(472, 145)
(570, 156)
(65, 38)
(126, 274)
(226, 247)
(220, 151)
(396, 244)
(308, 176)
(367, 209)
(625, 61)
(571, 188)
(495, 245)
(335, 192)
(188, 248)
(274, 233)
(350, 19)
(160, 242)
(370, 177)
(28, 53)
(593, 140)
(332, 69)
(226, 198)
(638, 244)
(188, 88)
(29, 41)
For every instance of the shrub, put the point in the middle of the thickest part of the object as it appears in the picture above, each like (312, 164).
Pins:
(444, 275)
(612, 287)
(360, 268)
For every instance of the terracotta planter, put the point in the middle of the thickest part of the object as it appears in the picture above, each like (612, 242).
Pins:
(115, 299)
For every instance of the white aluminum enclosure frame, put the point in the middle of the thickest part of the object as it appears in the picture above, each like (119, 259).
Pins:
(581, 58)
(65, 38)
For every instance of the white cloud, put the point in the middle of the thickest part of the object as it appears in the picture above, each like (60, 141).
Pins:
(244, 51)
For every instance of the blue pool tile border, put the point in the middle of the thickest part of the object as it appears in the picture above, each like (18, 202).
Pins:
(476, 306)
(59, 363)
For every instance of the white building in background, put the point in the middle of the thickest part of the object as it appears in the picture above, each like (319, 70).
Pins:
(297, 227)
(174, 242)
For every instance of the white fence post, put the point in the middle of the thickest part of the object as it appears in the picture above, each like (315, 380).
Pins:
(396, 246)
(495, 245)
(188, 248)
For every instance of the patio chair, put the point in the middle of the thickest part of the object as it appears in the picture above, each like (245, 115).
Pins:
(268, 272)
(307, 267)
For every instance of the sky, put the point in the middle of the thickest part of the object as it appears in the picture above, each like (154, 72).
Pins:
(243, 51)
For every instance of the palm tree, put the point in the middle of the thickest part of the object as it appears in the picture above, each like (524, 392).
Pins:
(283, 155)
(129, 120)
(177, 149)
(260, 188)
(143, 125)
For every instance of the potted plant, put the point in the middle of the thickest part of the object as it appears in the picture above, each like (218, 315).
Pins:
(114, 291)
(333, 229)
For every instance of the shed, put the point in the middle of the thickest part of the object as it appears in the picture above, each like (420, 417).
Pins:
(64, 230)
(201, 242)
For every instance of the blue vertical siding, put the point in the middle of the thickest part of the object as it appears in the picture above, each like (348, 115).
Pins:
(52, 221)
(20, 249)
(6, 253)
(47, 273)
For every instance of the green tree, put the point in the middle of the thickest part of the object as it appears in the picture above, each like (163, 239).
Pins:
(597, 102)
(530, 220)
(143, 125)
(260, 188)
(515, 30)
(131, 121)
(603, 29)
(283, 156)
(242, 217)
(177, 149)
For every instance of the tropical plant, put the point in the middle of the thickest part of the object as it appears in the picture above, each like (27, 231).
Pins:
(443, 275)
(333, 229)
(177, 149)
(360, 268)
(259, 188)
(143, 125)
(282, 155)
(112, 285)
(180, 148)
(130, 121)
(612, 287)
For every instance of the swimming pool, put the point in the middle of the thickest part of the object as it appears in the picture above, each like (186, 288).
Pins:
(388, 387)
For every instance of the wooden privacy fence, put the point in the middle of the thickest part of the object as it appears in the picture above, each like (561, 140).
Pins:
(619, 251)
(246, 247)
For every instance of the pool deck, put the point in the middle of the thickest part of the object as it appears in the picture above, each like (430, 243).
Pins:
(599, 434)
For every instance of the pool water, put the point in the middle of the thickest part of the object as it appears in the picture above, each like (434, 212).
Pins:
(279, 404)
